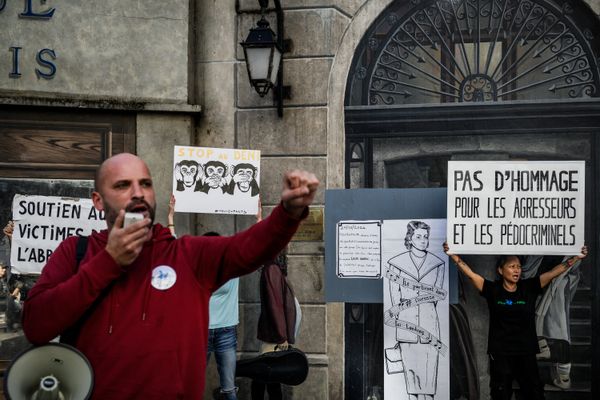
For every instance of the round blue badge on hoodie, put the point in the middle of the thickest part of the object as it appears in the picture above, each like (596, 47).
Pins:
(163, 277)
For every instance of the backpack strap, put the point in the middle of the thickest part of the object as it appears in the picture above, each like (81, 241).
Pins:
(80, 250)
(69, 336)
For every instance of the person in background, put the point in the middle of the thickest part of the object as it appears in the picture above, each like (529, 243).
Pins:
(222, 334)
(279, 320)
(4, 295)
(553, 315)
(512, 338)
(11, 289)
(146, 294)
(222, 325)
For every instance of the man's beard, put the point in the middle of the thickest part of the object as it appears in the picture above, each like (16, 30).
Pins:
(112, 213)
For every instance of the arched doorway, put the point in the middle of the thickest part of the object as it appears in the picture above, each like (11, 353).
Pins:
(431, 52)
(433, 81)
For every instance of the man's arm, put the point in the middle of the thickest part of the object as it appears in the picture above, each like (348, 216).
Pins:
(299, 190)
(62, 294)
(222, 258)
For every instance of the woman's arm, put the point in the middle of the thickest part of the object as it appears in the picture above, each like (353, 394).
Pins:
(8, 230)
(547, 277)
(170, 220)
(259, 212)
(476, 279)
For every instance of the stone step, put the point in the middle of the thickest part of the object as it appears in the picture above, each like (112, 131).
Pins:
(580, 328)
(583, 296)
(578, 391)
(581, 311)
(581, 352)
(581, 373)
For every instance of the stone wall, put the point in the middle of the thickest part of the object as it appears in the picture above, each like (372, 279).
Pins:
(157, 134)
(96, 51)
(234, 115)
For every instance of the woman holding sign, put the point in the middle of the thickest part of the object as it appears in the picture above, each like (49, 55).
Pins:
(512, 338)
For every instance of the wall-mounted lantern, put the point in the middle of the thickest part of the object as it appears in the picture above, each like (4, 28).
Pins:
(263, 51)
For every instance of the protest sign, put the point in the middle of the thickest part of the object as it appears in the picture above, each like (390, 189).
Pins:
(216, 181)
(416, 311)
(359, 249)
(407, 255)
(42, 222)
(516, 207)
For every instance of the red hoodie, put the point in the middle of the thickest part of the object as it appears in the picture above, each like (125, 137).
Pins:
(142, 342)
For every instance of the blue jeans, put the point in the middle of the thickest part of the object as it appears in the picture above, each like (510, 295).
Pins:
(223, 342)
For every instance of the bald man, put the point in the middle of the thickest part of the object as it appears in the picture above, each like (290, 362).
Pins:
(148, 292)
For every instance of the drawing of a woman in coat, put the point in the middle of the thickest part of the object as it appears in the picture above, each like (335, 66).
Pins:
(417, 267)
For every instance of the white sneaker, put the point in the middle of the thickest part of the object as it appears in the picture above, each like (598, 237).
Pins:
(563, 382)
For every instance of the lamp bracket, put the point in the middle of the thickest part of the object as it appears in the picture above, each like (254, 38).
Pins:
(288, 46)
(286, 92)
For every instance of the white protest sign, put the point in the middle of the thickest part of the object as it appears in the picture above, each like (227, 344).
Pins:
(416, 322)
(216, 181)
(516, 207)
(359, 249)
(42, 222)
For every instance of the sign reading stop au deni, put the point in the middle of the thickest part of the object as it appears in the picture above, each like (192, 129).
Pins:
(516, 207)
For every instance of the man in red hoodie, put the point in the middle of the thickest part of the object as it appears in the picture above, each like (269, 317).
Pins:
(149, 292)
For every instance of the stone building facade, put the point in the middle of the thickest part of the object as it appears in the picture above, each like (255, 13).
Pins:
(145, 76)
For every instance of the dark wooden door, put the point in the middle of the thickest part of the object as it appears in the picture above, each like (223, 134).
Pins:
(60, 145)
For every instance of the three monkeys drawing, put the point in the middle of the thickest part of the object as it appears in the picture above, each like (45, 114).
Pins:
(190, 175)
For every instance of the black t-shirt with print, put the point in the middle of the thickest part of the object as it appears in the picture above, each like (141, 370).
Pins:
(512, 317)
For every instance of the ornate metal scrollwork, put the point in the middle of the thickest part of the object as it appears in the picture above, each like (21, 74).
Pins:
(479, 50)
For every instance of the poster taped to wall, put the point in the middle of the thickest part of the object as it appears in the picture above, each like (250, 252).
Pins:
(516, 207)
(42, 222)
(359, 249)
(416, 310)
(216, 181)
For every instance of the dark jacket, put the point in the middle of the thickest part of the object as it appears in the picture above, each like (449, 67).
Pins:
(277, 320)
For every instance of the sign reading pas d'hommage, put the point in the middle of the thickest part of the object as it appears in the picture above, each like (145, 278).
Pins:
(516, 207)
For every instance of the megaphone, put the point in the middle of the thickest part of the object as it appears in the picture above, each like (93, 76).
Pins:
(54, 371)
(289, 367)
